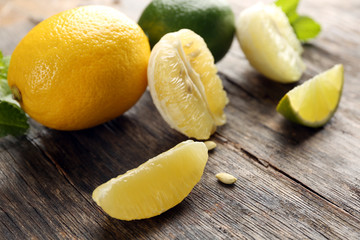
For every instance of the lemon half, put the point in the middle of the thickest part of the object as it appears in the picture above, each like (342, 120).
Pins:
(184, 84)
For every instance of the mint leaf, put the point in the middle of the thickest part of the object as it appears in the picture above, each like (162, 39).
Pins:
(292, 16)
(13, 120)
(4, 88)
(306, 28)
(288, 6)
(4, 65)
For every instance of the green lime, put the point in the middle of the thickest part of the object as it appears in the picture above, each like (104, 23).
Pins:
(213, 20)
(314, 102)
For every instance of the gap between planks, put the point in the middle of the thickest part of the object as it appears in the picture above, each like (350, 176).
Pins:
(59, 169)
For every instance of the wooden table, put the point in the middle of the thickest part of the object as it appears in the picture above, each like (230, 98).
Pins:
(293, 182)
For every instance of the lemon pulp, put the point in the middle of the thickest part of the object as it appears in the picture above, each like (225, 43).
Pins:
(184, 84)
(269, 43)
(155, 186)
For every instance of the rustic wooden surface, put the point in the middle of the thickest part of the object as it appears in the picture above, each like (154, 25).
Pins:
(293, 182)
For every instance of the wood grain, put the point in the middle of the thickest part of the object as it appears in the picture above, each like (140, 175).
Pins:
(293, 182)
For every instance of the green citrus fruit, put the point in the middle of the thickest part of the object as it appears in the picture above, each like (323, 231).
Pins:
(314, 102)
(213, 20)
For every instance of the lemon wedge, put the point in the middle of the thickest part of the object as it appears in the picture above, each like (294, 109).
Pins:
(314, 102)
(184, 84)
(155, 186)
(269, 43)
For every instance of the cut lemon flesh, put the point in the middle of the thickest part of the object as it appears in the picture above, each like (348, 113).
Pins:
(184, 84)
(314, 102)
(155, 186)
(269, 43)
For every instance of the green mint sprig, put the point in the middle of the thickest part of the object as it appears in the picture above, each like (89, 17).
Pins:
(305, 27)
(13, 120)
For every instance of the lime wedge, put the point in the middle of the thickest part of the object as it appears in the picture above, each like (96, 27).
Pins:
(314, 102)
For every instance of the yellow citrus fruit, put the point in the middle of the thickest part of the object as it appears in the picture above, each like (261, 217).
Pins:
(269, 43)
(80, 68)
(314, 102)
(155, 186)
(184, 84)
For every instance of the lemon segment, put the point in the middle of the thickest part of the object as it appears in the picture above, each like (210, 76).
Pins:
(314, 102)
(155, 186)
(184, 84)
(269, 43)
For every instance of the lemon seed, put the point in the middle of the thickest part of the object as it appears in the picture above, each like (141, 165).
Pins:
(210, 145)
(226, 178)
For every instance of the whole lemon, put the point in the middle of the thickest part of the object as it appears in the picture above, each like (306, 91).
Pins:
(213, 20)
(80, 68)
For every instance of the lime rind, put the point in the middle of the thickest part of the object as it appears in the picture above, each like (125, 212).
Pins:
(322, 93)
(162, 16)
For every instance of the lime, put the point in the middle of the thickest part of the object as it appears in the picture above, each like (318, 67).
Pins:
(184, 84)
(314, 102)
(269, 43)
(155, 186)
(211, 19)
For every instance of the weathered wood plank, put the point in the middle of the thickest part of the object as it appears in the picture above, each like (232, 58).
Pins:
(264, 202)
(293, 182)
